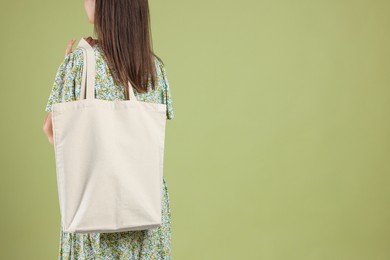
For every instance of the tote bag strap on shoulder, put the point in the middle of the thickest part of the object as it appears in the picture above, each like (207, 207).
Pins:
(89, 72)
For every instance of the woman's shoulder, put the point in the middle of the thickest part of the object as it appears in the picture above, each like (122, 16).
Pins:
(75, 60)
(78, 54)
(160, 68)
(164, 86)
(72, 62)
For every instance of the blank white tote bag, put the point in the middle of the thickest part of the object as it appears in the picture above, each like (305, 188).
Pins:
(109, 159)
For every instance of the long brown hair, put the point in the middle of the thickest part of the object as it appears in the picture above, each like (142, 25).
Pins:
(122, 28)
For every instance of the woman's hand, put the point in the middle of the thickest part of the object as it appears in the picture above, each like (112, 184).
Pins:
(69, 47)
(91, 41)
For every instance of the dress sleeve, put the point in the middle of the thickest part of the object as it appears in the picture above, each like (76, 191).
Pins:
(166, 92)
(67, 81)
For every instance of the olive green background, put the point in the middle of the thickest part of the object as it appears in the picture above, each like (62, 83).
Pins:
(280, 144)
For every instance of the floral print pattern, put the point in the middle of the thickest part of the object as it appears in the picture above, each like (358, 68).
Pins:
(150, 244)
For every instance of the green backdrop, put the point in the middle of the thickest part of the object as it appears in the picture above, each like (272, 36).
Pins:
(280, 144)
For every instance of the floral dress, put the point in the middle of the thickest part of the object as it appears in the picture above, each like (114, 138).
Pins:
(143, 244)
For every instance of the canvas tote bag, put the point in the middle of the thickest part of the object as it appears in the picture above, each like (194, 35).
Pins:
(109, 159)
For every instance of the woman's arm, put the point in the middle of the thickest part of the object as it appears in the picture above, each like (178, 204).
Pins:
(47, 127)
(47, 123)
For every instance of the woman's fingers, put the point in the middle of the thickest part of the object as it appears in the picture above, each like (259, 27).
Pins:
(69, 47)
(91, 41)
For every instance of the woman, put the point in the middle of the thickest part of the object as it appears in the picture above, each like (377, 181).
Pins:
(123, 53)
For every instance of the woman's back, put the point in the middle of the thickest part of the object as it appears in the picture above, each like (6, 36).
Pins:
(143, 244)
